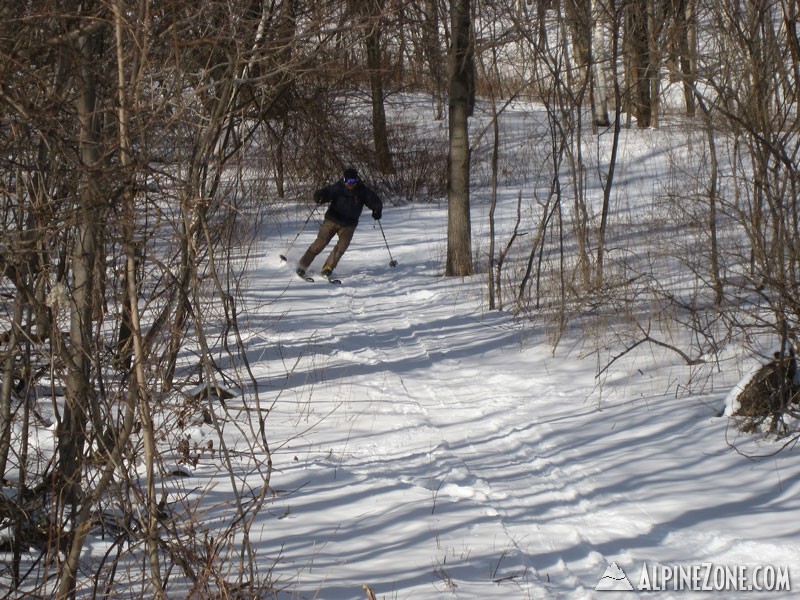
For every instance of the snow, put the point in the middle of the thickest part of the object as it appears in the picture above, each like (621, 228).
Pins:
(428, 447)
(431, 448)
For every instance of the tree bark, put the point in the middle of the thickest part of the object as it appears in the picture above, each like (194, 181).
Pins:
(685, 26)
(433, 55)
(638, 44)
(79, 392)
(461, 101)
(375, 69)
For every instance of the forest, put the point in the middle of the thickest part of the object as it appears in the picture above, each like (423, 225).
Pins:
(146, 143)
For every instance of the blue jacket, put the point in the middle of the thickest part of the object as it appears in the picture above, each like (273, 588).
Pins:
(346, 205)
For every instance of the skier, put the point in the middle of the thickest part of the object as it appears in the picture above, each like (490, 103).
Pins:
(347, 198)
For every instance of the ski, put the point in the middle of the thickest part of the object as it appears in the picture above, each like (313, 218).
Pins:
(328, 275)
(309, 279)
(328, 279)
(302, 276)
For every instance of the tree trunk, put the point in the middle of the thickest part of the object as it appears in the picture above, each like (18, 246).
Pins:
(599, 64)
(137, 382)
(375, 69)
(79, 392)
(6, 385)
(791, 15)
(433, 55)
(685, 27)
(462, 94)
(637, 38)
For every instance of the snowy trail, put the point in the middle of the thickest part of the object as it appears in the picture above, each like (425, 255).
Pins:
(424, 448)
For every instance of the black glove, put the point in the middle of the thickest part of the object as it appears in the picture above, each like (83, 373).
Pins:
(376, 214)
(320, 198)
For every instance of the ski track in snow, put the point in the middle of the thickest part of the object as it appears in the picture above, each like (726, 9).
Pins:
(425, 450)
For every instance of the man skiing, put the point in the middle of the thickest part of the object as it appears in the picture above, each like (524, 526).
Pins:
(347, 198)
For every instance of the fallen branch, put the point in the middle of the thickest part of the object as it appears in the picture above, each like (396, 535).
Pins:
(648, 338)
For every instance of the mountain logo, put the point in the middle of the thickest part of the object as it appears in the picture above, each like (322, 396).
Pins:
(613, 580)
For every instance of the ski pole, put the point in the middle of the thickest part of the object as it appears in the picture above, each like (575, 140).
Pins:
(308, 218)
(392, 262)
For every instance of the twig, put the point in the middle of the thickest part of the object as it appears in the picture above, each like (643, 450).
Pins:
(647, 338)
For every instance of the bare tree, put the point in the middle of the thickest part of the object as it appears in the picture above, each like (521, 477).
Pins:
(123, 199)
(684, 42)
(461, 102)
(432, 51)
(372, 11)
(640, 67)
(589, 48)
(757, 101)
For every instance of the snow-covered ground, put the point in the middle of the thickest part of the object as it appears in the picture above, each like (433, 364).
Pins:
(430, 448)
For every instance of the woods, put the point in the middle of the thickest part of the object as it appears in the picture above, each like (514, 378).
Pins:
(144, 143)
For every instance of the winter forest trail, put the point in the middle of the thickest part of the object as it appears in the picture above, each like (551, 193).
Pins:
(425, 447)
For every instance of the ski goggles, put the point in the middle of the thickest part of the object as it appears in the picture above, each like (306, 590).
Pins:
(351, 181)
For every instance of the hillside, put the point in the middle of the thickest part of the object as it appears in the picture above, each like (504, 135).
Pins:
(431, 448)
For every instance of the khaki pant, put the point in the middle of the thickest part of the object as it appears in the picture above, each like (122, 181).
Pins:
(325, 235)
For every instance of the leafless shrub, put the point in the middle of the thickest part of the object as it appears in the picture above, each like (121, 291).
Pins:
(418, 176)
(770, 397)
